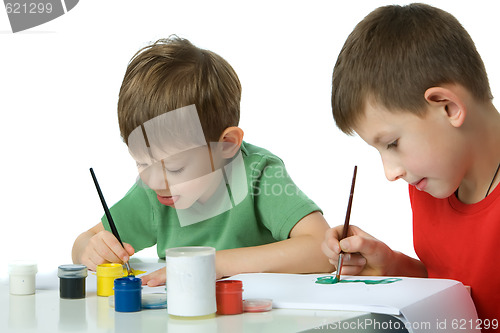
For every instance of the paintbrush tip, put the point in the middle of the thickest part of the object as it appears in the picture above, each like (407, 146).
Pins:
(129, 269)
(339, 266)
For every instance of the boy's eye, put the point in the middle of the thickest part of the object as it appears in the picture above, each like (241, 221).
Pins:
(141, 165)
(393, 144)
(175, 171)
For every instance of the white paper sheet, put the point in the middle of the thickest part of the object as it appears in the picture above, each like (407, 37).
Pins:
(422, 302)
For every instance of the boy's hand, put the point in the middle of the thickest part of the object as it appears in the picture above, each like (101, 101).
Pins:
(365, 255)
(102, 248)
(157, 278)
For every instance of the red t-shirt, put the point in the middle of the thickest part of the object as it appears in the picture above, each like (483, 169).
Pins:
(461, 242)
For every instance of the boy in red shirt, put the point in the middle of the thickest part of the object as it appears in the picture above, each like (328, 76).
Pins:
(410, 83)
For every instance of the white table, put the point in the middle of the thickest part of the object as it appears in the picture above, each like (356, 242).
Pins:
(45, 311)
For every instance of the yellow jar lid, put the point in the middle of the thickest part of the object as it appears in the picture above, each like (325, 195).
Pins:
(108, 270)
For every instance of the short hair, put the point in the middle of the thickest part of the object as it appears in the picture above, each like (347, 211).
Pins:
(173, 73)
(395, 54)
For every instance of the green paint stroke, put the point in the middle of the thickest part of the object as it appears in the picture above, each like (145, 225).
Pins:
(333, 280)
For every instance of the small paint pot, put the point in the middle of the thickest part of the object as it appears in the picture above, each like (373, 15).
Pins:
(128, 294)
(228, 294)
(257, 305)
(72, 281)
(106, 275)
(22, 277)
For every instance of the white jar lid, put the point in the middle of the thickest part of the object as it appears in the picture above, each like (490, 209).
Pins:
(23, 267)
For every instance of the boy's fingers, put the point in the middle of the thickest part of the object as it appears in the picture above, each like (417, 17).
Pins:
(156, 278)
(351, 270)
(345, 245)
(327, 250)
(351, 259)
(335, 232)
(89, 263)
(153, 282)
(363, 245)
(129, 249)
(106, 248)
(331, 242)
(113, 250)
(145, 279)
(333, 235)
(355, 244)
(338, 231)
(354, 259)
(105, 255)
(98, 257)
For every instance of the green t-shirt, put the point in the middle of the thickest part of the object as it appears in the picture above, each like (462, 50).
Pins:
(265, 213)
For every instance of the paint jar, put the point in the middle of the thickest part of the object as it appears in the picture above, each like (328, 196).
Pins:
(106, 275)
(229, 297)
(128, 294)
(22, 277)
(257, 305)
(72, 281)
(191, 282)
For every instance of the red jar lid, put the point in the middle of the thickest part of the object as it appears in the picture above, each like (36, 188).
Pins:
(229, 286)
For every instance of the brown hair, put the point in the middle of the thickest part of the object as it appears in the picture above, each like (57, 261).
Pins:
(395, 54)
(173, 73)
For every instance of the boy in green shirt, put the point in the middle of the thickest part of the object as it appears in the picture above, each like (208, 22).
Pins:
(200, 183)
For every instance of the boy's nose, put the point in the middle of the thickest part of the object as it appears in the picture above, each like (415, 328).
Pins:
(154, 177)
(393, 171)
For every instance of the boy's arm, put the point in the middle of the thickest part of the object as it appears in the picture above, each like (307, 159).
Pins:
(300, 253)
(366, 255)
(97, 246)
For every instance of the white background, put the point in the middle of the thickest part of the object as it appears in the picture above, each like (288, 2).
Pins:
(59, 85)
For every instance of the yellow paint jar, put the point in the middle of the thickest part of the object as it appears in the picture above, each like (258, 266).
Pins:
(106, 275)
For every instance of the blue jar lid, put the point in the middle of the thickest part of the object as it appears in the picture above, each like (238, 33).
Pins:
(128, 283)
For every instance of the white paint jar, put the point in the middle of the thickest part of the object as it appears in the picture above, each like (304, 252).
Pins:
(191, 282)
(22, 277)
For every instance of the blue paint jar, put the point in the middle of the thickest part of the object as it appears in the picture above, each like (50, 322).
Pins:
(128, 294)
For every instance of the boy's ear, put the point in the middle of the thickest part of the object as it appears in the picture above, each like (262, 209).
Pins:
(231, 140)
(449, 101)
